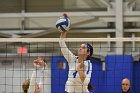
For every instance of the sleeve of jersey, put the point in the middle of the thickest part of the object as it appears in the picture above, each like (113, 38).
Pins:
(32, 82)
(88, 74)
(66, 52)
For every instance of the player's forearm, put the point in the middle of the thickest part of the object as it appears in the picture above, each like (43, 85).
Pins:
(33, 78)
(32, 82)
(43, 74)
(65, 51)
(64, 48)
(82, 75)
(43, 77)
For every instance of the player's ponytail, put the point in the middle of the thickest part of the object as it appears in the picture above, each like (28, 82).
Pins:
(90, 87)
(90, 49)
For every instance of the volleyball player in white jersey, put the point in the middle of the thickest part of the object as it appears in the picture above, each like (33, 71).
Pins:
(80, 67)
(31, 86)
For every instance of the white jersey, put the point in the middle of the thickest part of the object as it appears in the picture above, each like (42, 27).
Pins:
(74, 84)
(43, 75)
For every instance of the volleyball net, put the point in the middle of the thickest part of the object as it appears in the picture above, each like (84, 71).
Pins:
(113, 60)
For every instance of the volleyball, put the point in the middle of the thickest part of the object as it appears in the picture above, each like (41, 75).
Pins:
(63, 23)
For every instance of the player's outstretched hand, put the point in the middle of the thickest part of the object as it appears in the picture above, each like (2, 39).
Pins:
(63, 34)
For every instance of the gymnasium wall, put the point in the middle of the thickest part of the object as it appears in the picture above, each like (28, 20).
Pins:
(108, 81)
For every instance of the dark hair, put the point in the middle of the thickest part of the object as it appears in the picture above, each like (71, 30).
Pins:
(25, 85)
(90, 49)
(90, 87)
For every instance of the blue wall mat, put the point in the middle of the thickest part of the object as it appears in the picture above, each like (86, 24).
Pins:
(117, 68)
(136, 77)
(98, 77)
(59, 76)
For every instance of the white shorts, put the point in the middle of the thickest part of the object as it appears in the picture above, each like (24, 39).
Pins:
(72, 87)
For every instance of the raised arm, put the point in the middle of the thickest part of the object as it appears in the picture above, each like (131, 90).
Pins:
(33, 77)
(43, 77)
(32, 82)
(65, 51)
(33, 87)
